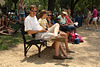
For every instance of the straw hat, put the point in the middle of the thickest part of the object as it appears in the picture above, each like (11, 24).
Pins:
(64, 13)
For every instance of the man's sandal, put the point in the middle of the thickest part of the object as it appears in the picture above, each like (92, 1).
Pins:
(70, 51)
(62, 57)
(58, 57)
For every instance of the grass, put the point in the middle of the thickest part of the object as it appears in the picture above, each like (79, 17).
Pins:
(10, 41)
(7, 42)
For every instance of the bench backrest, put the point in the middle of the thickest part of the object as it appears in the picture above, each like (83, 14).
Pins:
(24, 33)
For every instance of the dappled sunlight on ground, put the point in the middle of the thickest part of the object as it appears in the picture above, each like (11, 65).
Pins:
(87, 54)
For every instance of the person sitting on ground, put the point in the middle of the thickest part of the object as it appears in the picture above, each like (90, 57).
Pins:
(3, 31)
(7, 29)
(42, 19)
(33, 27)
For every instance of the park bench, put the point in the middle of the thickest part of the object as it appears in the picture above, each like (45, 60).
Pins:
(28, 44)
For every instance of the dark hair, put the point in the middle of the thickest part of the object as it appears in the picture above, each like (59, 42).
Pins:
(58, 18)
(89, 8)
(94, 7)
(41, 13)
(32, 6)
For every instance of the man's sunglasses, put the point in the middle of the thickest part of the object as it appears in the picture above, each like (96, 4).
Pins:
(33, 11)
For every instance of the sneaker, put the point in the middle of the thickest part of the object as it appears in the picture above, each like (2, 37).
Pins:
(87, 28)
(96, 30)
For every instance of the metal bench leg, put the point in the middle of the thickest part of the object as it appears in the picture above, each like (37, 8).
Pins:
(39, 51)
(25, 50)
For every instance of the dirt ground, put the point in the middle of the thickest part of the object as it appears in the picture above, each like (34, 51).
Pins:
(87, 54)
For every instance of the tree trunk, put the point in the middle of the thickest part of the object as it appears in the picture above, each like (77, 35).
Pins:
(15, 6)
(72, 7)
(51, 4)
(73, 3)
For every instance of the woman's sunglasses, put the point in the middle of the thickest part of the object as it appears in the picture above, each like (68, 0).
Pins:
(49, 15)
(33, 11)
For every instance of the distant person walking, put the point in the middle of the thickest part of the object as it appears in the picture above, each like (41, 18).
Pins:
(94, 14)
(88, 19)
(21, 11)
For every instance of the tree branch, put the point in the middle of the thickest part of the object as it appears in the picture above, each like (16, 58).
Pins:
(76, 2)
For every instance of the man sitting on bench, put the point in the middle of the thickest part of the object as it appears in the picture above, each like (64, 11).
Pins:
(32, 27)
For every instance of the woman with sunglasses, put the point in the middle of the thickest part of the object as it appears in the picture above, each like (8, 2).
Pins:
(50, 19)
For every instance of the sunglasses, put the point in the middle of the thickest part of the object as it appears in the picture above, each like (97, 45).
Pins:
(33, 11)
(49, 15)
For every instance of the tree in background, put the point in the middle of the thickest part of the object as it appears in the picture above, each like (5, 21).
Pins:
(51, 4)
(73, 4)
(15, 2)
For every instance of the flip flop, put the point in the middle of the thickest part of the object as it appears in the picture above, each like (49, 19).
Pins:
(68, 57)
(59, 57)
(70, 51)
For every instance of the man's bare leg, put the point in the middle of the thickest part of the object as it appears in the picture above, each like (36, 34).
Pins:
(56, 46)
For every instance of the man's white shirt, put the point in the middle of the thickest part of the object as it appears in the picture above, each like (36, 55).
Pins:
(31, 23)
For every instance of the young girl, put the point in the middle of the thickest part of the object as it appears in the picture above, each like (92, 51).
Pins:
(88, 19)
(42, 19)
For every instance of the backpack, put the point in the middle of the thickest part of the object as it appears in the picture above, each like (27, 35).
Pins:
(73, 36)
(80, 38)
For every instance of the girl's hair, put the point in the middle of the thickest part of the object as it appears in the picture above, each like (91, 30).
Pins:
(42, 12)
(89, 8)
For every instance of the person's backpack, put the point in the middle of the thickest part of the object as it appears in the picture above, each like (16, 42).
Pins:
(78, 36)
(72, 37)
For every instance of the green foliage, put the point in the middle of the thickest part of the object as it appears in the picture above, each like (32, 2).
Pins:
(13, 40)
(82, 5)
(10, 41)
(3, 46)
(62, 3)
(43, 4)
(8, 4)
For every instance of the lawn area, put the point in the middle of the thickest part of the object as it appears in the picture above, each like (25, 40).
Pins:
(10, 41)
